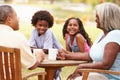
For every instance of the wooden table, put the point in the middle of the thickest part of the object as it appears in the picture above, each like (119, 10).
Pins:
(51, 66)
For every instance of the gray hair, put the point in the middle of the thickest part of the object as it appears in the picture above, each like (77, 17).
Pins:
(109, 16)
(5, 11)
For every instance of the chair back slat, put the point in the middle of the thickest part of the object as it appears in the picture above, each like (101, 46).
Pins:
(10, 64)
(18, 62)
(6, 64)
(1, 67)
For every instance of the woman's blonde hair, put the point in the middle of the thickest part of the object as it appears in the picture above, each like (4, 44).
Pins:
(109, 16)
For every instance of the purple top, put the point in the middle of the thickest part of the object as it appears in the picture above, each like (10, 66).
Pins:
(44, 41)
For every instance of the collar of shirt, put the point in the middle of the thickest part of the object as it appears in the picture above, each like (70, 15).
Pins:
(5, 27)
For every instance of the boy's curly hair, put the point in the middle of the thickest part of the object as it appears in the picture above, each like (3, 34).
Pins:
(42, 15)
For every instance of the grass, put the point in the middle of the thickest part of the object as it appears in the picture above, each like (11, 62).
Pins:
(26, 29)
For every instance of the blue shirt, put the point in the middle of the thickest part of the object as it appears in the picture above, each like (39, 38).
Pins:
(44, 41)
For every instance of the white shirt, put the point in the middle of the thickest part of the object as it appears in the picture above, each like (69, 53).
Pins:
(11, 38)
(97, 50)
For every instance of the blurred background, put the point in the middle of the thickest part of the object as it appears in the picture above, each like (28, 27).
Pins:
(61, 10)
(53, 1)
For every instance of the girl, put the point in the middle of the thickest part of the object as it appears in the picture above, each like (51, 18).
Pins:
(77, 39)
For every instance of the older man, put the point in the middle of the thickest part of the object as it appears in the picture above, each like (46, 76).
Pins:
(9, 37)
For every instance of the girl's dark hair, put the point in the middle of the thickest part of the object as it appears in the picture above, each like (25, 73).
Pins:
(42, 15)
(81, 31)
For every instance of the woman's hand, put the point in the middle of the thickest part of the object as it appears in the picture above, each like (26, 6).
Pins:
(76, 73)
(73, 76)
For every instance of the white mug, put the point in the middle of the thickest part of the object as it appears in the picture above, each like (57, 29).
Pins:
(52, 54)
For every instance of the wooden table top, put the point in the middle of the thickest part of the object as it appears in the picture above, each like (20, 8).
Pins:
(54, 63)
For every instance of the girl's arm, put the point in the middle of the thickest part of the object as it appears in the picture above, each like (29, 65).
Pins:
(68, 47)
(80, 40)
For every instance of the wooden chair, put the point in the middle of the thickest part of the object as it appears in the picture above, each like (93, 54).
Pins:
(86, 72)
(10, 65)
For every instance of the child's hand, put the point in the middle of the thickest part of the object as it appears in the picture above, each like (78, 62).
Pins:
(61, 55)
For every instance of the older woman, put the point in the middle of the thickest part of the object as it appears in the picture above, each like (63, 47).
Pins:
(105, 52)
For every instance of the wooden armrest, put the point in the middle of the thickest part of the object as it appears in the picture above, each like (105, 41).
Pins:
(86, 72)
(100, 71)
(39, 74)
